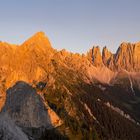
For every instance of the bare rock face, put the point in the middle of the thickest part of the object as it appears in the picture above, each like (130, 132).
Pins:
(26, 61)
(95, 56)
(66, 73)
(9, 130)
(34, 60)
(111, 67)
(106, 56)
(27, 109)
(128, 57)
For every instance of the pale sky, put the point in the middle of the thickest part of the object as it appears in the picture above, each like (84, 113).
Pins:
(75, 25)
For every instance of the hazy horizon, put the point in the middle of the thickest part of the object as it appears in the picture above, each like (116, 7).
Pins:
(75, 25)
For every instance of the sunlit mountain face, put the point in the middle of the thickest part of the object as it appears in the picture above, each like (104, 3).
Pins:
(46, 94)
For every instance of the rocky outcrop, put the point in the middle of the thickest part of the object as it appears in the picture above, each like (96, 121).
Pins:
(106, 56)
(9, 130)
(71, 78)
(28, 109)
(34, 60)
(128, 57)
(94, 55)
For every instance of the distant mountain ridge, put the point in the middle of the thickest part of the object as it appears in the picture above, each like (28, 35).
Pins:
(44, 92)
(127, 57)
(28, 61)
(34, 59)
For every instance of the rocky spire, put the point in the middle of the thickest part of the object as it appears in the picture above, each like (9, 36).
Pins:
(95, 56)
(128, 57)
(106, 56)
(39, 40)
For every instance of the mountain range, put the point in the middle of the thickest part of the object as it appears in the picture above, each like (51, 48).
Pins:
(55, 94)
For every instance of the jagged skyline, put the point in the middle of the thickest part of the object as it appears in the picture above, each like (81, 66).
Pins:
(74, 25)
(79, 96)
(28, 61)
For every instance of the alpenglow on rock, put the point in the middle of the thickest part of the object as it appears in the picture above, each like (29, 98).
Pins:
(127, 57)
(73, 98)
(35, 60)
(94, 55)
(26, 61)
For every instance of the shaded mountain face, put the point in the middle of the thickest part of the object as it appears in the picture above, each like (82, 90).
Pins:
(46, 92)
(8, 130)
(27, 108)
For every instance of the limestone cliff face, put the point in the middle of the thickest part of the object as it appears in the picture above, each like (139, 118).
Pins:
(106, 56)
(127, 57)
(95, 56)
(9, 130)
(34, 60)
(27, 109)
(110, 67)
(25, 62)
(68, 76)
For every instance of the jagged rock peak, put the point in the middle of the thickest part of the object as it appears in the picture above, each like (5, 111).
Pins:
(38, 35)
(105, 50)
(128, 57)
(95, 56)
(106, 55)
(38, 38)
(126, 46)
